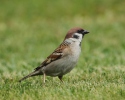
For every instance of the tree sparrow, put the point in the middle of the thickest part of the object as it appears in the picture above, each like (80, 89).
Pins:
(64, 58)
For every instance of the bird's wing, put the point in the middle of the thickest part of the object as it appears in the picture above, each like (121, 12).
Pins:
(57, 54)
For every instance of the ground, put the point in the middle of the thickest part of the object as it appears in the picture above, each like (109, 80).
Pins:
(30, 30)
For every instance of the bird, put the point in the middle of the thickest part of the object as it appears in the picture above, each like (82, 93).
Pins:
(64, 58)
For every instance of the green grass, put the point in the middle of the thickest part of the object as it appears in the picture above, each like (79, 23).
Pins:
(31, 29)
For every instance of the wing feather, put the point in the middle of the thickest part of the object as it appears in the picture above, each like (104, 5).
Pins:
(57, 54)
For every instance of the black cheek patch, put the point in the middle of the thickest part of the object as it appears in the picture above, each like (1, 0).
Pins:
(75, 36)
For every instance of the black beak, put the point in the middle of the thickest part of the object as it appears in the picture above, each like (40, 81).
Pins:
(85, 32)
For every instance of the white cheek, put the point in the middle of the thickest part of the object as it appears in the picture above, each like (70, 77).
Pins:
(80, 36)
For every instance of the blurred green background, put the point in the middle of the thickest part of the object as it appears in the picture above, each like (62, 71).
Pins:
(31, 29)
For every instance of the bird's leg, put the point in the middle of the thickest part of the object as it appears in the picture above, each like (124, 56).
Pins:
(60, 77)
(44, 77)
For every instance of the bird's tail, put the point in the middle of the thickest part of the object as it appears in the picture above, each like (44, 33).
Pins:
(30, 75)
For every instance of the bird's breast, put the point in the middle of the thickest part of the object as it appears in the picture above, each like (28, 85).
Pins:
(66, 63)
(76, 50)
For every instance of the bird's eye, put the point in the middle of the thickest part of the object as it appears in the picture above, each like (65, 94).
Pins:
(75, 36)
(79, 31)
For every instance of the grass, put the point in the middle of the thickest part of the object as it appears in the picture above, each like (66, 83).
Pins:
(30, 30)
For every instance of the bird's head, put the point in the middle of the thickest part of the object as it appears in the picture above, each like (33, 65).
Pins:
(76, 34)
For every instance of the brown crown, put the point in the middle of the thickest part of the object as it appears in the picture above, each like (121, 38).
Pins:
(72, 31)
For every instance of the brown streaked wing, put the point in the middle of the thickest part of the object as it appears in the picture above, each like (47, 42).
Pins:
(57, 54)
